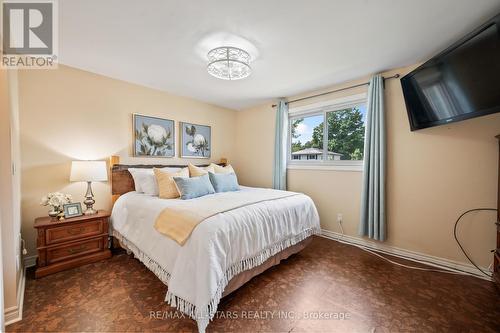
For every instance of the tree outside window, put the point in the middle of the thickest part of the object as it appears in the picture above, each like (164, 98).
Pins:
(346, 131)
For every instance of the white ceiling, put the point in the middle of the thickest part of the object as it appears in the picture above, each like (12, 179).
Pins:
(298, 45)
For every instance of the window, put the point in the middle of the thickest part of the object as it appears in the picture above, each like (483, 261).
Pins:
(337, 141)
(305, 141)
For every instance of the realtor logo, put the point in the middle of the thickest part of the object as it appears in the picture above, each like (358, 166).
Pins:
(29, 34)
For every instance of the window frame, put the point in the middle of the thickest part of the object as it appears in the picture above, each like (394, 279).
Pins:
(322, 108)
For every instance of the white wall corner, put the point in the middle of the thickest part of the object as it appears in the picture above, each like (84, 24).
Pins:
(15, 313)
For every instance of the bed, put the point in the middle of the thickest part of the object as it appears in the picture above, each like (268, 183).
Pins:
(223, 252)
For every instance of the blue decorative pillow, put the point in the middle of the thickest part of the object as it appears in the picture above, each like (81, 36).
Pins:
(194, 187)
(224, 182)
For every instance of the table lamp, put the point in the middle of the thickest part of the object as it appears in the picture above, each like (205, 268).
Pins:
(89, 171)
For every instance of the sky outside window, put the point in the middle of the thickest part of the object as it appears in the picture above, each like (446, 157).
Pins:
(305, 129)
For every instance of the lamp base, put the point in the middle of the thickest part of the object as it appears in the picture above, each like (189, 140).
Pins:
(90, 211)
(89, 201)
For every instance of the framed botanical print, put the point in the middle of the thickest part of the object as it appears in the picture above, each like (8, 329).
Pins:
(196, 140)
(153, 137)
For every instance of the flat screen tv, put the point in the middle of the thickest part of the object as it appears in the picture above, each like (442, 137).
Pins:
(459, 83)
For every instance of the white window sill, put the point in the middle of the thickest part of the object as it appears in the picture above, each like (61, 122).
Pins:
(349, 166)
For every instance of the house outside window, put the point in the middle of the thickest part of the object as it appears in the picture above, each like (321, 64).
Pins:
(328, 134)
(314, 154)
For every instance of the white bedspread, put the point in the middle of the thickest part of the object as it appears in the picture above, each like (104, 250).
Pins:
(219, 248)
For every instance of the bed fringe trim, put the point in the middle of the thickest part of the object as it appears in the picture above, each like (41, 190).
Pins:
(209, 311)
(152, 265)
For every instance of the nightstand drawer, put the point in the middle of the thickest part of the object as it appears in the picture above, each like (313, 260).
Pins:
(71, 242)
(74, 231)
(69, 251)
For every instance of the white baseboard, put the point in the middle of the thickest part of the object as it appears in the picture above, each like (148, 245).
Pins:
(15, 313)
(442, 263)
(30, 261)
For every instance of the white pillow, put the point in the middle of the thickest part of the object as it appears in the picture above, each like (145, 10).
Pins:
(145, 180)
(135, 172)
(222, 169)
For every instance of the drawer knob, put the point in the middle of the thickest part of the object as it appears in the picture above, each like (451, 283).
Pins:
(76, 249)
(75, 231)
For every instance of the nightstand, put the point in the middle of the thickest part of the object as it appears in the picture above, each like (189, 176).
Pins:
(72, 242)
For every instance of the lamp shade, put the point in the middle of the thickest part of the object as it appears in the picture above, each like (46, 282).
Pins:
(88, 171)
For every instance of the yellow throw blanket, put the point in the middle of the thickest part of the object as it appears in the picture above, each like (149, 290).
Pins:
(178, 222)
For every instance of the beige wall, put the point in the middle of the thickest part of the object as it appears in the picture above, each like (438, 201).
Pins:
(69, 114)
(433, 175)
(9, 188)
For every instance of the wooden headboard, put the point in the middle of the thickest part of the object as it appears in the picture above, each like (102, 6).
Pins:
(121, 179)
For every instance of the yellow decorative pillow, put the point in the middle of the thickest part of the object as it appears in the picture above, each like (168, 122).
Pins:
(220, 169)
(195, 171)
(166, 184)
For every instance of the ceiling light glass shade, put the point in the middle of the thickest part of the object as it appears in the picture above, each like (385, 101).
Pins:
(229, 63)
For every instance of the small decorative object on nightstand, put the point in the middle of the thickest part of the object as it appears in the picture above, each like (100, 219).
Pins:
(72, 210)
(56, 201)
(70, 243)
(89, 171)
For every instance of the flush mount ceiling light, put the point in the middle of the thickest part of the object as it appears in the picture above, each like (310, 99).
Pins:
(228, 63)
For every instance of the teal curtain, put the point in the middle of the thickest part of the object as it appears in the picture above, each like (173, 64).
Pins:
(280, 146)
(373, 216)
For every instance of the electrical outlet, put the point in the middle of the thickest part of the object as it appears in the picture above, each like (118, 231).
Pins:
(339, 218)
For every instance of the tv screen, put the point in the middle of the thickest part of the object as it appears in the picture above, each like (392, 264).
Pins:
(460, 83)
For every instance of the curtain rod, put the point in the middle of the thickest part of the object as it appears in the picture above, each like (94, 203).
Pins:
(337, 90)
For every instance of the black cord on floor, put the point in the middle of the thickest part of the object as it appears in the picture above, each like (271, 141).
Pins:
(458, 242)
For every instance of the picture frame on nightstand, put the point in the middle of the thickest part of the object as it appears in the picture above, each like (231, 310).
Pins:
(72, 210)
